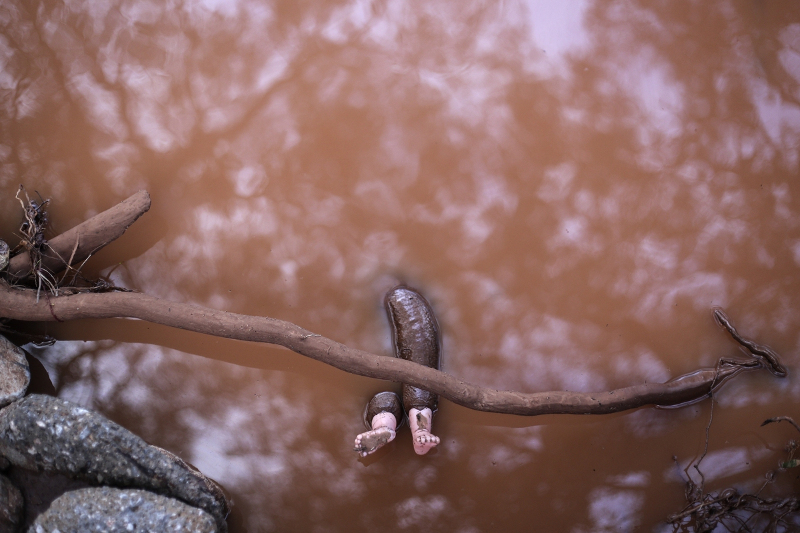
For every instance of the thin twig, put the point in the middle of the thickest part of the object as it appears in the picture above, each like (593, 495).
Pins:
(781, 419)
(705, 448)
(765, 353)
(71, 257)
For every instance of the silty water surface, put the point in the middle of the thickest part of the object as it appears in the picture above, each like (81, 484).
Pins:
(573, 187)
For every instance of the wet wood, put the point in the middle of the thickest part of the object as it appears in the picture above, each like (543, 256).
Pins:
(84, 239)
(21, 304)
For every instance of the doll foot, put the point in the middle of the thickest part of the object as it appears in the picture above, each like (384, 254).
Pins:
(382, 432)
(370, 441)
(420, 422)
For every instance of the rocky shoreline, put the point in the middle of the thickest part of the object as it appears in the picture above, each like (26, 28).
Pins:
(66, 468)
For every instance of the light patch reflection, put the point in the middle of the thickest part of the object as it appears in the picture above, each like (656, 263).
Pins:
(99, 380)
(541, 169)
(347, 19)
(781, 120)
(103, 105)
(718, 464)
(241, 220)
(645, 365)
(703, 289)
(226, 8)
(556, 30)
(660, 98)
(631, 479)
(614, 510)
(500, 458)
(424, 477)
(650, 423)
(547, 357)
(738, 395)
(556, 183)
(61, 354)
(477, 216)
(421, 513)
(249, 179)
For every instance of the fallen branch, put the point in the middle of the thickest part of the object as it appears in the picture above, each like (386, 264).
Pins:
(84, 239)
(21, 304)
(71, 303)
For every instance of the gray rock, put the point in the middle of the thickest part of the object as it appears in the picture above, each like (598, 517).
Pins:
(52, 435)
(10, 506)
(115, 510)
(14, 372)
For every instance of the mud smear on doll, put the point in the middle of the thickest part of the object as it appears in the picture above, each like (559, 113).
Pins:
(415, 336)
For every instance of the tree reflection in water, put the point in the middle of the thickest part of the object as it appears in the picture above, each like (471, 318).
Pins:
(573, 191)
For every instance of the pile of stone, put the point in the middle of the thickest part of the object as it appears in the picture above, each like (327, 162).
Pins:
(110, 479)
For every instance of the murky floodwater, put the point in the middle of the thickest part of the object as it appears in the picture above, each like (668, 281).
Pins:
(573, 187)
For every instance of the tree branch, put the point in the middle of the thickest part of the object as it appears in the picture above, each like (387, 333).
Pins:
(84, 239)
(71, 303)
(21, 304)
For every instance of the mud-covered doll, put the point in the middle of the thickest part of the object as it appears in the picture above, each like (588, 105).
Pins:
(415, 338)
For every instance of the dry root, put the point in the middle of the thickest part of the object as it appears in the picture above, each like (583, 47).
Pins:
(32, 241)
(733, 511)
(37, 261)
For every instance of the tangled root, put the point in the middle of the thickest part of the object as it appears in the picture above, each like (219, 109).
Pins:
(733, 511)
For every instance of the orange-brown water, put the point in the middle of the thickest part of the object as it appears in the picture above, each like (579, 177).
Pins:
(573, 186)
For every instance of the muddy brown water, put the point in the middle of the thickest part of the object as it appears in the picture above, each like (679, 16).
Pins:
(572, 187)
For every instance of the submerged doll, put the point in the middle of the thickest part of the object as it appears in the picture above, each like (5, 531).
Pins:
(415, 338)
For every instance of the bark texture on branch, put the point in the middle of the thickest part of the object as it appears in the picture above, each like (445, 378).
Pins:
(21, 304)
(90, 236)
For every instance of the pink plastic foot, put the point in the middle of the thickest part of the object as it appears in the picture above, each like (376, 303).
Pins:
(382, 433)
(420, 422)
